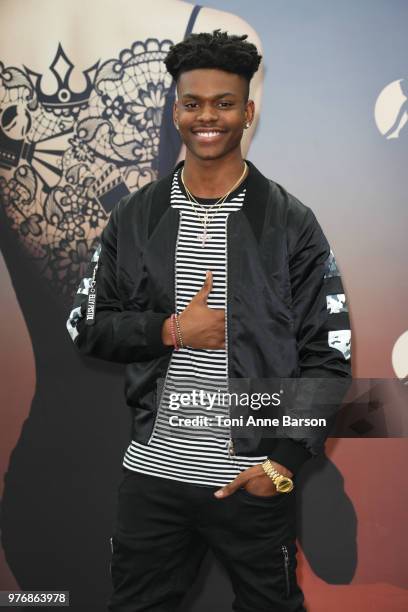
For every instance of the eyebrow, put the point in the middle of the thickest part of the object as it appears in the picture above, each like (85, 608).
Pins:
(216, 97)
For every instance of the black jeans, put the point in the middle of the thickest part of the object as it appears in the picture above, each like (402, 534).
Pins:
(164, 528)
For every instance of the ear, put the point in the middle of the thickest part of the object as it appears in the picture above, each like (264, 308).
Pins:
(175, 108)
(175, 112)
(249, 111)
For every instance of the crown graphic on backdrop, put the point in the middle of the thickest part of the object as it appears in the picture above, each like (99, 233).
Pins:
(64, 101)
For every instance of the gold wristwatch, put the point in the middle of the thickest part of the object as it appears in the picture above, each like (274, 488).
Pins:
(283, 484)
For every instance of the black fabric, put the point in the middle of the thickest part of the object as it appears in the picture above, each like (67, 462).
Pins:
(258, 192)
(277, 259)
(289, 453)
(164, 529)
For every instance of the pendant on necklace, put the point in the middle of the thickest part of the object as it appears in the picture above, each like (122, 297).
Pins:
(203, 237)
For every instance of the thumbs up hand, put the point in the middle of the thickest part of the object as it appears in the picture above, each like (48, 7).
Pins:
(201, 326)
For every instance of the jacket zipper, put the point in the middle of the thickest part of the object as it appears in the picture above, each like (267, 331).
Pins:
(110, 562)
(286, 566)
(231, 449)
(175, 310)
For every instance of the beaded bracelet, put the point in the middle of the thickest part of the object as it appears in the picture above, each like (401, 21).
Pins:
(173, 332)
(179, 331)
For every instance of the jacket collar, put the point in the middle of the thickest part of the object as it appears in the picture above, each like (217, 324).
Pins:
(254, 205)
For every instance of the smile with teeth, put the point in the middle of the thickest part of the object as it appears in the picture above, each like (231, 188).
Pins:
(211, 134)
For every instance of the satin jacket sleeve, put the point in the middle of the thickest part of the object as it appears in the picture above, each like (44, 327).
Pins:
(319, 303)
(98, 323)
(322, 327)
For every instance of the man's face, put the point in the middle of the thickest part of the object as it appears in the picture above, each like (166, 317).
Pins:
(211, 111)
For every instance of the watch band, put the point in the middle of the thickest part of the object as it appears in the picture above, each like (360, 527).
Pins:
(283, 484)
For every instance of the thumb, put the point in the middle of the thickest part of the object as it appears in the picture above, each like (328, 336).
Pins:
(207, 286)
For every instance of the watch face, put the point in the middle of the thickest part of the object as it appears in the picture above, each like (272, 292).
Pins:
(283, 484)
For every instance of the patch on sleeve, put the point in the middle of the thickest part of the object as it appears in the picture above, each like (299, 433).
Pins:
(336, 303)
(331, 266)
(97, 252)
(341, 340)
(91, 303)
(74, 317)
(84, 285)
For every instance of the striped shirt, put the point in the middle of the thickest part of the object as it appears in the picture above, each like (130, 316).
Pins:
(197, 453)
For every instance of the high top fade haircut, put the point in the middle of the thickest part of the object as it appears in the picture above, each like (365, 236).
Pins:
(217, 50)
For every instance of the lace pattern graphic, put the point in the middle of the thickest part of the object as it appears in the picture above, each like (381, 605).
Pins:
(67, 158)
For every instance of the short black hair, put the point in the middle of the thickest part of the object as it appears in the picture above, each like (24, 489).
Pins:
(220, 50)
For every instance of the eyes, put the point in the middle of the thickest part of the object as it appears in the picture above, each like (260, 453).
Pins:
(194, 105)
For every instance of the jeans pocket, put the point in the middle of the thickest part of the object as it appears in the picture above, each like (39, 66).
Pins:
(267, 498)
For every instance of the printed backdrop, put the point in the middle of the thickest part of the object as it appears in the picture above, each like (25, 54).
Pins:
(333, 130)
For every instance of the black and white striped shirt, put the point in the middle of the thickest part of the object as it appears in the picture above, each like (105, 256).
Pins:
(198, 455)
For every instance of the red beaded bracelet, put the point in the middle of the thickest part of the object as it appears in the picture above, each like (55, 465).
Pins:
(178, 330)
(173, 331)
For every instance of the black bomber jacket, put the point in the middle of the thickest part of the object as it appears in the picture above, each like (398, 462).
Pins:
(286, 314)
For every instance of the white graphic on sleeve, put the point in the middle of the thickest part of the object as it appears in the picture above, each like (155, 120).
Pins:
(74, 317)
(84, 285)
(83, 289)
(97, 252)
(341, 340)
(331, 266)
(336, 303)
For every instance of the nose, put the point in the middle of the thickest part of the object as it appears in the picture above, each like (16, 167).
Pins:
(207, 113)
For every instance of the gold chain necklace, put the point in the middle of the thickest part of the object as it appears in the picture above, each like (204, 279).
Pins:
(207, 219)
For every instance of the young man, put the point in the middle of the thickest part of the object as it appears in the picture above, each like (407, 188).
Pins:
(271, 306)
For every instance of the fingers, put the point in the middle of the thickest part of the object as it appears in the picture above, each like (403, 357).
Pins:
(239, 481)
(231, 487)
